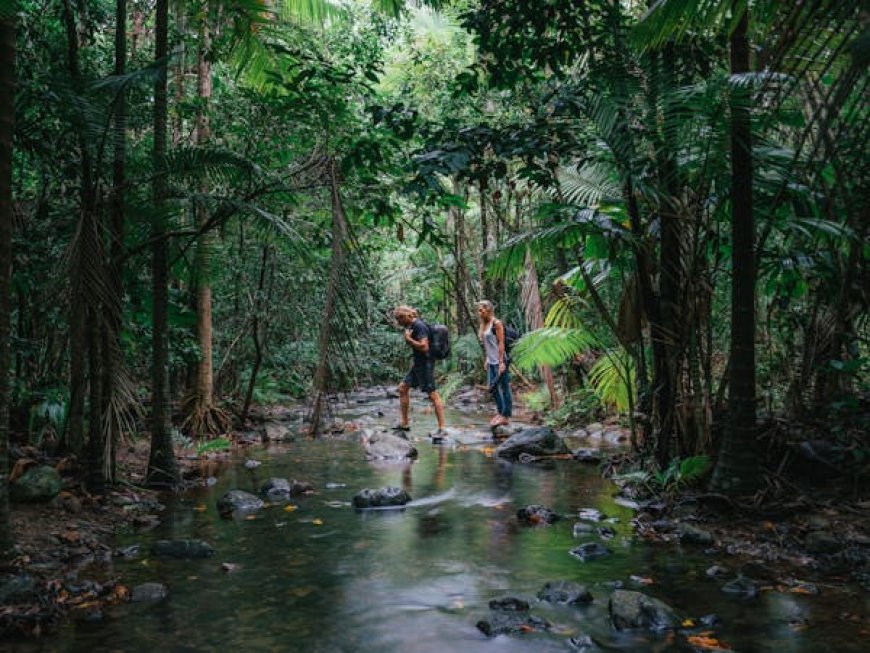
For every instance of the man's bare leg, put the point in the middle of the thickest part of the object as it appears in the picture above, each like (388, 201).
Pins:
(435, 398)
(404, 402)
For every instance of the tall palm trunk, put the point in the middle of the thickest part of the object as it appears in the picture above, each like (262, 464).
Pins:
(111, 346)
(737, 471)
(534, 310)
(162, 466)
(7, 118)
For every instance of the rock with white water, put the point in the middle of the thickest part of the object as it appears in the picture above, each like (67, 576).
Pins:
(388, 497)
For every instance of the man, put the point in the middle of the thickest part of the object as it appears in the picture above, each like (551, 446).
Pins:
(422, 374)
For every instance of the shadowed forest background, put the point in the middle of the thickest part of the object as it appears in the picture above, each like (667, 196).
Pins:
(215, 204)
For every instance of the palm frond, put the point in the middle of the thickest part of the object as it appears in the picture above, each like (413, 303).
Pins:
(612, 378)
(551, 346)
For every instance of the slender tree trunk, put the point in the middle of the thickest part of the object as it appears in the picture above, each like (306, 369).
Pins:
(738, 471)
(255, 333)
(531, 300)
(162, 466)
(486, 243)
(180, 73)
(203, 418)
(7, 119)
(464, 316)
(339, 238)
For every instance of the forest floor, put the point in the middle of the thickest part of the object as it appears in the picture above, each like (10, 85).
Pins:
(810, 539)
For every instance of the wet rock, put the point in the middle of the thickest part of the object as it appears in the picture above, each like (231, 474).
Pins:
(821, 542)
(383, 498)
(229, 566)
(718, 572)
(590, 551)
(606, 533)
(564, 591)
(252, 464)
(802, 587)
(239, 502)
(18, 589)
(511, 623)
(68, 503)
(590, 514)
(742, 587)
(149, 593)
(539, 441)
(503, 432)
(693, 535)
(276, 432)
(632, 610)
(590, 456)
(182, 549)
(509, 604)
(128, 552)
(385, 446)
(583, 529)
(40, 483)
(710, 621)
(276, 489)
(581, 643)
(536, 515)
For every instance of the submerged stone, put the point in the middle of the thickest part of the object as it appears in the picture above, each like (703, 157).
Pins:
(509, 604)
(239, 502)
(41, 483)
(564, 591)
(590, 551)
(281, 488)
(693, 535)
(183, 549)
(741, 586)
(149, 593)
(536, 515)
(635, 610)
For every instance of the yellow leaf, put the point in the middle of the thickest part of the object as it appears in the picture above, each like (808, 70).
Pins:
(317, 522)
(250, 517)
(704, 642)
(290, 507)
(688, 623)
(201, 507)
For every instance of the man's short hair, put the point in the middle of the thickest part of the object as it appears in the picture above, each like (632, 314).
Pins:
(404, 309)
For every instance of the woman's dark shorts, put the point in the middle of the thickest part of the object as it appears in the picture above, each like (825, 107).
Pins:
(422, 375)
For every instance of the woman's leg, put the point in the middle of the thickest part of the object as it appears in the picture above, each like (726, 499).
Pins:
(495, 384)
(507, 407)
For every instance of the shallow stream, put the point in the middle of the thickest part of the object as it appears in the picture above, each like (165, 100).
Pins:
(324, 578)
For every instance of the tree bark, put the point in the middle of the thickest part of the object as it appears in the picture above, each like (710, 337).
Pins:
(255, 333)
(737, 470)
(7, 119)
(162, 466)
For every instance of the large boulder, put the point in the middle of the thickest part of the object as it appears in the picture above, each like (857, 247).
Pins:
(276, 489)
(183, 549)
(41, 483)
(384, 446)
(631, 610)
(388, 497)
(538, 441)
(239, 502)
(274, 431)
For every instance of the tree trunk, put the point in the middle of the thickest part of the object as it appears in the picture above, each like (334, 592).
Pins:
(486, 244)
(255, 333)
(7, 118)
(162, 466)
(204, 419)
(339, 237)
(532, 305)
(737, 471)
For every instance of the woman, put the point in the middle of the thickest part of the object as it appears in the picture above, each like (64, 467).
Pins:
(491, 333)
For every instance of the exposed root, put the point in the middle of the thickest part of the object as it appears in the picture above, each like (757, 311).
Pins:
(203, 421)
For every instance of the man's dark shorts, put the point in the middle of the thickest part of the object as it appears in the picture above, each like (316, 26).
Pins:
(422, 375)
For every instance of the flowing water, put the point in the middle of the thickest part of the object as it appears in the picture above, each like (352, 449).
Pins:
(324, 578)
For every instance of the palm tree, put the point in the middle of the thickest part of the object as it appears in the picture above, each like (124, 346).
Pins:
(162, 466)
(7, 118)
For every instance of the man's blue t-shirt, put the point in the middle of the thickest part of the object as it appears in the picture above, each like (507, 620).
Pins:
(419, 330)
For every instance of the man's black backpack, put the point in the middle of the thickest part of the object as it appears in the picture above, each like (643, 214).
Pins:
(439, 341)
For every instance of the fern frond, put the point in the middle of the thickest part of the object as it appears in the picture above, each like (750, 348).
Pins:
(551, 346)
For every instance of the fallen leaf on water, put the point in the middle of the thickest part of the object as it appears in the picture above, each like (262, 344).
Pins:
(488, 451)
(688, 623)
(642, 580)
(201, 507)
(317, 522)
(527, 628)
(193, 578)
(706, 642)
(120, 592)
(290, 507)
(250, 517)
